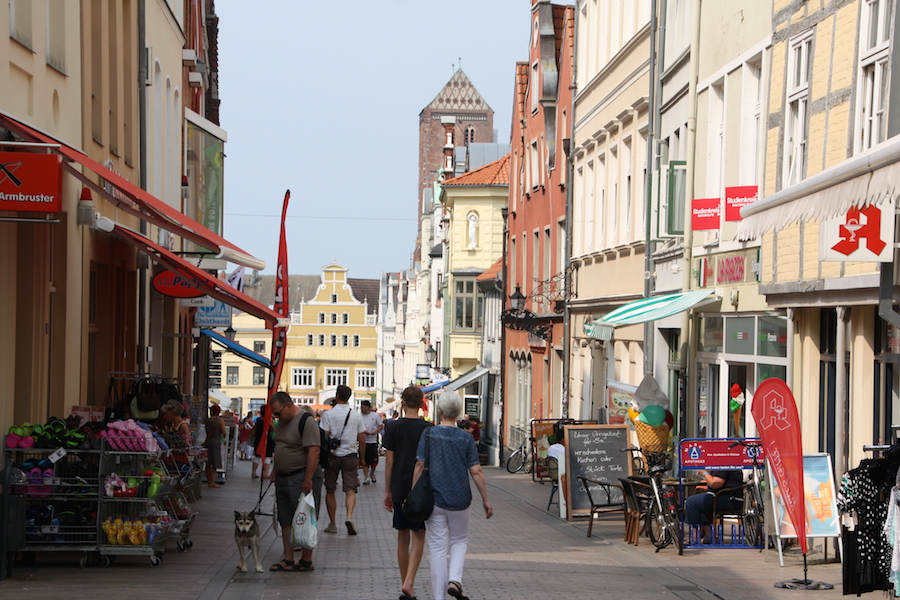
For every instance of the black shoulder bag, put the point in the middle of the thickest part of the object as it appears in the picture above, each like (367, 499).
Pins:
(420, 501)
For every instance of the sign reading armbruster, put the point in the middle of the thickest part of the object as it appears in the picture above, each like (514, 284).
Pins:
(30, 182)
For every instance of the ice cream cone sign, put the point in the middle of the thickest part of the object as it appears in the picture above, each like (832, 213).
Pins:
(736, 405)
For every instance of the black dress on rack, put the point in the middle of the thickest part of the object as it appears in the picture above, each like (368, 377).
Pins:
(867, 554)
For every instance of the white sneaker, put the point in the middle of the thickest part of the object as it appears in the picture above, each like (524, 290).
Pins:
(366, 482)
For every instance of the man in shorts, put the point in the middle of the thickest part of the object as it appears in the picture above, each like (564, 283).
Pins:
(401, 439)
(345, 424)
(373, 424)
(296, 472)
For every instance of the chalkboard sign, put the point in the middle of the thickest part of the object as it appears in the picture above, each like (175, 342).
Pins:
(594, 451)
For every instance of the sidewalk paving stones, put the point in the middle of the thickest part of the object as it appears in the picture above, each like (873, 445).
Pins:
(523, 552)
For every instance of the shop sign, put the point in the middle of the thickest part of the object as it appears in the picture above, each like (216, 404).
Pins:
(198, 301)
(619, 397)
(170, 283)
(727, 268)
(30, 182)
(423, 371)
(737, 198)
(705, 213)
(218, 315)
(861, 234)
(715, 453)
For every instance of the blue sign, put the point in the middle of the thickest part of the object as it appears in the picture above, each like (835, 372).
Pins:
(217, 315)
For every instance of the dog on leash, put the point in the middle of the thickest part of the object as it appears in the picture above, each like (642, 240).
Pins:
(246, 535)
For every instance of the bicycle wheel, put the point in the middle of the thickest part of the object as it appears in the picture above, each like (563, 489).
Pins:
(529, 465)
(656, 526)
(753, 532)
(673, 528)
(516, 462)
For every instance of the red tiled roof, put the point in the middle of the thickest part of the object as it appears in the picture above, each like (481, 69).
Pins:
(492, 272)
(495, 173)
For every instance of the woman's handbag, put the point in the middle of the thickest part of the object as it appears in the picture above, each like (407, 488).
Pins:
(420, 501)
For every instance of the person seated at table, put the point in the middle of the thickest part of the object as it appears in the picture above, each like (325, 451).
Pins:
(698, 509)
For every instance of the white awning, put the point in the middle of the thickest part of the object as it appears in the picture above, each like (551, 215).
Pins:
(865, 179)
(467, 378)
(657, 307)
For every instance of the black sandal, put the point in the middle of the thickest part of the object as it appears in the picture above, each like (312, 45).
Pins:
(282, 565)
(455, 590)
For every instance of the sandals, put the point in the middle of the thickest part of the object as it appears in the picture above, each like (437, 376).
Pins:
(286, 565)
(455, 590)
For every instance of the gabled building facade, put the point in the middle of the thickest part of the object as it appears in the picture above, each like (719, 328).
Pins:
(535, 263)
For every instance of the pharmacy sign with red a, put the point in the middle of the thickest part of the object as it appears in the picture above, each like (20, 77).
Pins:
(863, 234)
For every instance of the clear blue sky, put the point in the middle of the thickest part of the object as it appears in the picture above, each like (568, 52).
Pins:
(323, 98)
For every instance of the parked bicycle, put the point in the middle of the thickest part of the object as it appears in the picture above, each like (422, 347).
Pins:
(754, 507)
(521, 459)
(663, 523)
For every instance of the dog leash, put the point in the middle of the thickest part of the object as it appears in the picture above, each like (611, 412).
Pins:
(258, 508)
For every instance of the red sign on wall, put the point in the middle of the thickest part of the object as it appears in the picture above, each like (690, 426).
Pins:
(738, 197)
(30, 182)
(705, 213)
(170, 283)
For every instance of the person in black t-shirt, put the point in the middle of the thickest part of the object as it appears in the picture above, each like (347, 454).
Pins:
(401, 438)
(698, 508)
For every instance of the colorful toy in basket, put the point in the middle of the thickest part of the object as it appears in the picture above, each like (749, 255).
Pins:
(651, 419)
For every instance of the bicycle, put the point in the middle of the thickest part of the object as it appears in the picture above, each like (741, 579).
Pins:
(663, 523)
(521, 458)
(754, 507)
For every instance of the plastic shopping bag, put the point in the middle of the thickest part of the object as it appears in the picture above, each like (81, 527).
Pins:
(305, 529)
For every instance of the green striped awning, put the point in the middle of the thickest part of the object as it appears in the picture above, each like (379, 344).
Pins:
(658, 307)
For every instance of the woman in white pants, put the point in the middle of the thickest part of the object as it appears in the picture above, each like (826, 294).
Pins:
(452, 457)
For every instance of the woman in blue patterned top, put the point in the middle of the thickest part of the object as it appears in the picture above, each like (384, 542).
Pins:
(452, 457)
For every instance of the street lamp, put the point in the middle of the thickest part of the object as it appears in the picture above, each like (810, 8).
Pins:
(517, 300)
(430, 354)
(229, 333)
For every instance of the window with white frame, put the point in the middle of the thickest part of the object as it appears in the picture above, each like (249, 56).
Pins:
(259, 347)
(310, 339)
(874, 42)
(333, 339)
(467, 305)
(345, 340)
(334, 298)
(795, 134)
(535, 87)
(231, 375)
(321, 339)
(346, 318)
(259, 375)
(321, 317)
(334, 318)
(303, 377)
(535, 180)
(365, 379)
(752, 119)
(335, 377)
(356, 341)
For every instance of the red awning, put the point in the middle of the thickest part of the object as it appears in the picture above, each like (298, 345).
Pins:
(195, 276)
(136, 201)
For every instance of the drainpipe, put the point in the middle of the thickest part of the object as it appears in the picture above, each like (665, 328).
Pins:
(689, 344)
(650, 326)
(840, 390)
(143, 74)
(570, 173)
(501, 437)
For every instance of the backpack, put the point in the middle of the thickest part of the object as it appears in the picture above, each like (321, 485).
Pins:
(326, 448)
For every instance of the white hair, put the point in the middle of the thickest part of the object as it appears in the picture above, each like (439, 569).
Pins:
(450, 404)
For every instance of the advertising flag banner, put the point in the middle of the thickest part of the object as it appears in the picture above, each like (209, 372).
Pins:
(778, 422)
(705, 213)
(279, 334)
(30, 182)
(737, 198)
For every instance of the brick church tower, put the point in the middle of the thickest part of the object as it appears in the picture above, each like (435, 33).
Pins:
(474, 122)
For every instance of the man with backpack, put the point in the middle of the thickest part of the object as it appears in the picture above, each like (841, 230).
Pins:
(346, 425)
(296, 472)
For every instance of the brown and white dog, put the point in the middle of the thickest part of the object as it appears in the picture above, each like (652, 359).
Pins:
(246, 535)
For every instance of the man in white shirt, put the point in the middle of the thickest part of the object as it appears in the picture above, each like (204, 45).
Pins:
(373, 424)
(345, 424)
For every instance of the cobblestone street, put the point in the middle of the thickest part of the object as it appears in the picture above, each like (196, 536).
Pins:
(522, 552)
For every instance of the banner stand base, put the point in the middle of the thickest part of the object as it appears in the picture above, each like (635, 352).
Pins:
(804, 584)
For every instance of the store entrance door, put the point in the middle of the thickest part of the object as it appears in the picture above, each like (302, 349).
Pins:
(740, 375)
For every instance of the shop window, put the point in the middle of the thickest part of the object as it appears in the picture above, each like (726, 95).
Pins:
(772, 336)
(739, 334)
(827, 378)
(711, 331)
